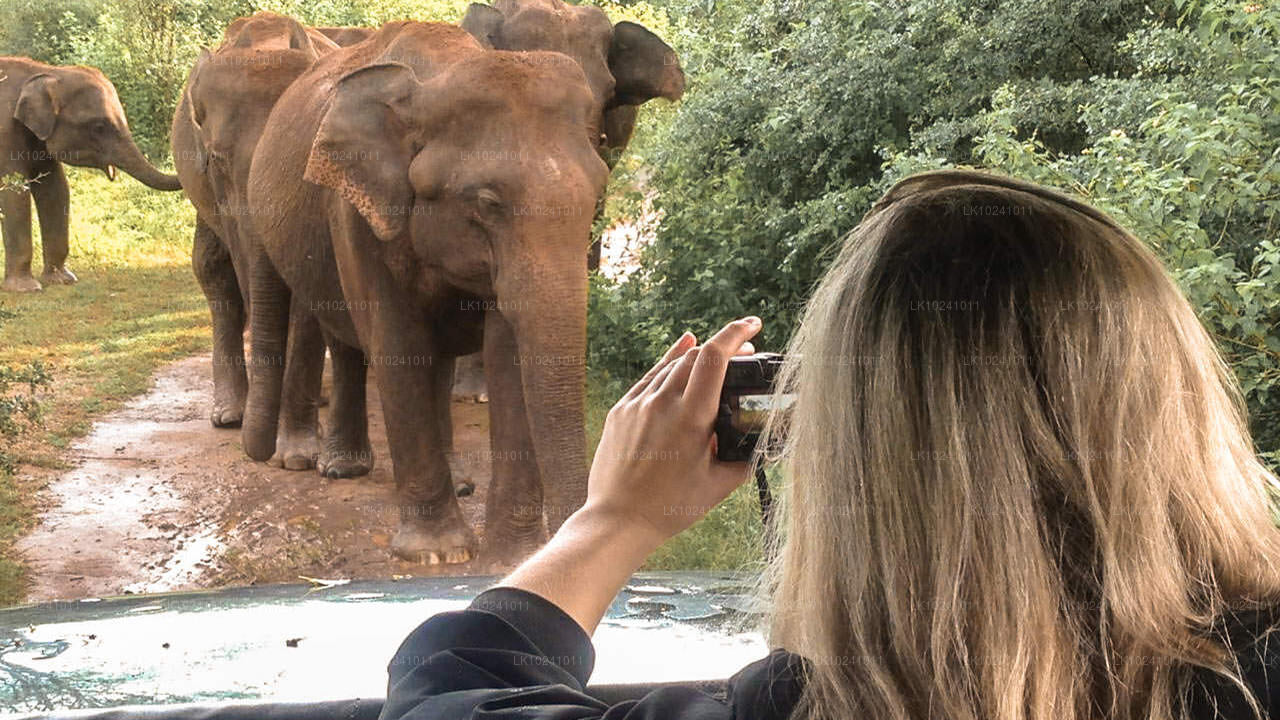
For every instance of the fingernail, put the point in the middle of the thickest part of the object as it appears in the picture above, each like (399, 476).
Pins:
(751, 320)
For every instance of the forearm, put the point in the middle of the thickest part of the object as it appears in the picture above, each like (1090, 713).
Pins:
(585, 564)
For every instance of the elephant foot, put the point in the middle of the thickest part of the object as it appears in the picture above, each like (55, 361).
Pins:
(429, 542)
(227, 413)
(21, 284)
(344, 462)
(296, 450)
(58, 276)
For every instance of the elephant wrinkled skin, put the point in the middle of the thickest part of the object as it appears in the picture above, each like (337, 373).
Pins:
(219, 118)
(425, 196)
(626, 64)
(51, 115)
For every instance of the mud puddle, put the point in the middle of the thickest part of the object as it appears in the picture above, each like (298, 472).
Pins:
(160, 500)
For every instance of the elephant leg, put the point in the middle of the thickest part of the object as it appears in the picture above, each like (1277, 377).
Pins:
(346, 451)
(298, 435)
(432, 529)
(53, 204)
(443, 375)
(269, 300)
(213, 267)
(15, 207)
(513, 514)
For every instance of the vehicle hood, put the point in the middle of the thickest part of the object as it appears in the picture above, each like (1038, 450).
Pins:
(304, 642)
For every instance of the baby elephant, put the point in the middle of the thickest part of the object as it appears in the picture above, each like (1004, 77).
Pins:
(50, 115)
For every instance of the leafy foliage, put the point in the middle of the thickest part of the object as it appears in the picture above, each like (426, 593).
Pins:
(802, 112)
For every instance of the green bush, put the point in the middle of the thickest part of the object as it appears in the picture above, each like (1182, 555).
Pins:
(800, 114)
(20, 408)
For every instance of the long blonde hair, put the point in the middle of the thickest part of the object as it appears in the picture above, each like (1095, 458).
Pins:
(1022, 486)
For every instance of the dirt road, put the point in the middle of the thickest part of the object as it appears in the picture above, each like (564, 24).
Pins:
(160, 500)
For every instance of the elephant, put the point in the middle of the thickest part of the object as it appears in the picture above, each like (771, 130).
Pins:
(219, 118)
(428, 197)
(51, 115)
(626, 64)
(345, 36)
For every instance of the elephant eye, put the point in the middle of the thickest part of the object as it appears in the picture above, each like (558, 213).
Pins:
(489, 202)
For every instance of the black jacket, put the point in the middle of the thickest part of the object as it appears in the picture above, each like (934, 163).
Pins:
(513, 655)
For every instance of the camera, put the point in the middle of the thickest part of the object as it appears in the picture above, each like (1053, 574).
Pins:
(746, 400)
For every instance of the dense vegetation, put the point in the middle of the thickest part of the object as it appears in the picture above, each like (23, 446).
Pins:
(800, 113)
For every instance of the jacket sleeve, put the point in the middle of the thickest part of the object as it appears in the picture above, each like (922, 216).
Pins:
(513, 654)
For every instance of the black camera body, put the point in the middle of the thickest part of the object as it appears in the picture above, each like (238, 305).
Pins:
(746, 399)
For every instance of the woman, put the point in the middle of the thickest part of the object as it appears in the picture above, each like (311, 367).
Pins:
(1023, 489)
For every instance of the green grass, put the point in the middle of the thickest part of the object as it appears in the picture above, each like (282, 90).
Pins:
(137, 306)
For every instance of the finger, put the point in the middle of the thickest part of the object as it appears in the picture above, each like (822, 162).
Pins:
(678, 378)
(655, 384)
(658, 373)
(683, 343)
(703, 391)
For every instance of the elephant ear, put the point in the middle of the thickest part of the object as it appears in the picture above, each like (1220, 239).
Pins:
(250, 35)
(37, 106)
(619, 124)
(202, 154)
(298, 38)
(483, 22)
(643, 65)
(363, 149)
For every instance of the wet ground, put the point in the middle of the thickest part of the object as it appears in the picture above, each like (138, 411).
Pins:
(160, 500)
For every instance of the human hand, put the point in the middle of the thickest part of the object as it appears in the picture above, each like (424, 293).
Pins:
(655, 468)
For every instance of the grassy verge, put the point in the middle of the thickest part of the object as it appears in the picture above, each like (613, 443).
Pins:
(137, 306)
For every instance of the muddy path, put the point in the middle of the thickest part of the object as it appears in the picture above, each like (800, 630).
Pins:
(160, 500)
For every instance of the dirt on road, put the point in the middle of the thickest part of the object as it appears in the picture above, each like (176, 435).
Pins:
(160, 500)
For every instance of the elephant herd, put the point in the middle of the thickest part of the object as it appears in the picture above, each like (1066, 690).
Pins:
(402, 197)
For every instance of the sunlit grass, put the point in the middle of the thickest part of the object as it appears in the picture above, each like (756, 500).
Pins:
(137, 306)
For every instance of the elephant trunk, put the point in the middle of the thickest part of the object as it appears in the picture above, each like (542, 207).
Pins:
(131, 160)
(547, 308)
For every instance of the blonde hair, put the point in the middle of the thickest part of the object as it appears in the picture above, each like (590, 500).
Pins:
(1023, 485)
